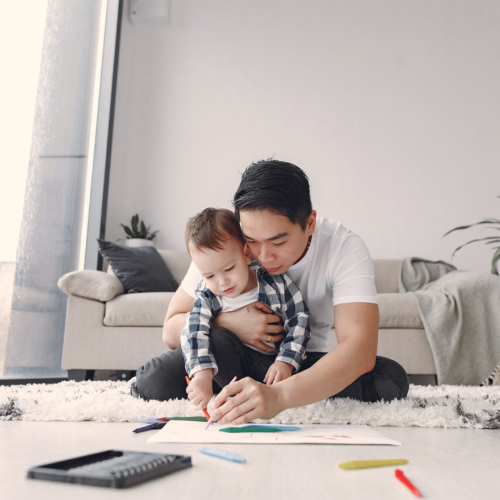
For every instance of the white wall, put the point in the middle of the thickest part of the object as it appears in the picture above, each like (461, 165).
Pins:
(391, 107)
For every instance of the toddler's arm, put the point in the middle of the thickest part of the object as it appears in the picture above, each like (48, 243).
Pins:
(200, 390)
(277, 372)
(195, 341)
(295, 317)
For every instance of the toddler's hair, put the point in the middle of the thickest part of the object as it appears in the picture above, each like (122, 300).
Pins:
(211, 227)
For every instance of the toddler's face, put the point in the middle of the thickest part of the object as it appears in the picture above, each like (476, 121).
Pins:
(224, 271)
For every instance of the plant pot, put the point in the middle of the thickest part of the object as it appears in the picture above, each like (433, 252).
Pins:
(138, 242)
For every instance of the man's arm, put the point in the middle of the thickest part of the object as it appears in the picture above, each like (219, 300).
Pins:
(356, 325)
(180, 304)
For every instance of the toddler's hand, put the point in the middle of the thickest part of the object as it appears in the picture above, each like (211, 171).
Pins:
(200, 389)
(277, 372)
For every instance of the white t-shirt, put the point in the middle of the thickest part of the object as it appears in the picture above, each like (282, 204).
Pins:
(231, 304)
(337, 269)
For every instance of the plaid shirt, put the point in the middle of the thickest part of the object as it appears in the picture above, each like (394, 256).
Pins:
(278, 292)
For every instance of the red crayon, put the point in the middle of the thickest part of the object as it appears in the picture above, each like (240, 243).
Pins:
(400, 475)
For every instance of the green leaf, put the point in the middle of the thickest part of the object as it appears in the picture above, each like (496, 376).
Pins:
(496, 258)
(127, 231)
(134, 221)
(472, 241)
(144, 230)
(460, 228)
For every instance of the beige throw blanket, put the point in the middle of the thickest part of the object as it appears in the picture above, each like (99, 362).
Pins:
(460, 311)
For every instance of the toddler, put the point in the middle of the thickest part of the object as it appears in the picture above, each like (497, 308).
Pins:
(232, 281)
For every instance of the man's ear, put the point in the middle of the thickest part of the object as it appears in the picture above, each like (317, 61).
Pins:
(311, 223)
(246, 252)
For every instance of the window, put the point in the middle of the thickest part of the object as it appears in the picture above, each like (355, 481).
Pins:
(53, 53)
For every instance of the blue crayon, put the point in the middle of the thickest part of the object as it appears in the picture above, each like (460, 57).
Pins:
(226, 455)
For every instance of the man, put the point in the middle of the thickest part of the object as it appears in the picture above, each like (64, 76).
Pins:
(333, 270)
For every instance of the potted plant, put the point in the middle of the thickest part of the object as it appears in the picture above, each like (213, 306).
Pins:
(490, 240)
(138, 234)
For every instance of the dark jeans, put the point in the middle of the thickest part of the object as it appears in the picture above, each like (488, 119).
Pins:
(162, 378)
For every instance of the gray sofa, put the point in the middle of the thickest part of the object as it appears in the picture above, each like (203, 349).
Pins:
(109, 330)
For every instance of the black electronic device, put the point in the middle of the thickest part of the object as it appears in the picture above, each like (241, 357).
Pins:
(111, 468)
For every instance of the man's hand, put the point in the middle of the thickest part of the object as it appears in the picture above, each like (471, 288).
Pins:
(253, 326)
(277, 372)
(200, 389)
(251, 400)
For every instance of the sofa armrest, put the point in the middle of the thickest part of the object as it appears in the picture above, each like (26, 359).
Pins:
(95, 285)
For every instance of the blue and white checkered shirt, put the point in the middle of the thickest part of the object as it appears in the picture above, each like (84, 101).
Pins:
(278, 292)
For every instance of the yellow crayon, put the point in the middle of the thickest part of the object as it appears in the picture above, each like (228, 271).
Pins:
(363, 464)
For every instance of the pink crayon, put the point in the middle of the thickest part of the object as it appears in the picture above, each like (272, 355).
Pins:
(210, 419)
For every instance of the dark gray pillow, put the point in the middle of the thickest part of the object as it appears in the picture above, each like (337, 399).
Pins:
(140, 269)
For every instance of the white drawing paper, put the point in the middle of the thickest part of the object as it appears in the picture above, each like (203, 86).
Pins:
(178, 431)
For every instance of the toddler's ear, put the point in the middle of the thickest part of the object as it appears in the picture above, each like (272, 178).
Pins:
(246, 251)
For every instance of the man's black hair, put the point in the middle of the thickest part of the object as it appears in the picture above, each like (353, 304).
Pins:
(277, 186)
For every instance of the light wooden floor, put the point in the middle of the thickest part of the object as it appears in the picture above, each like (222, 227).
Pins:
(444, 464)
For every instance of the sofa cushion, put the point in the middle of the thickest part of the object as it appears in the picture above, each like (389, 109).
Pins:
(398, 310)
(387, 275)
(178, 262)
(94, 285)
(140, 269)
(143, 309)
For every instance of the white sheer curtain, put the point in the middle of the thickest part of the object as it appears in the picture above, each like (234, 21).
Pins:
(52, 213)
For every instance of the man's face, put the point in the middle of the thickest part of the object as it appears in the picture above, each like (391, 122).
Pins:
(274, 241)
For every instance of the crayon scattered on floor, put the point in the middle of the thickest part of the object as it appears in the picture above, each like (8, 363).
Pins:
(363, 464)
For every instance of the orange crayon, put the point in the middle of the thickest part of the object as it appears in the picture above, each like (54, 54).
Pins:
(204, 409)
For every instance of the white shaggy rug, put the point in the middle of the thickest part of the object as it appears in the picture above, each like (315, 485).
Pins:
(106, 401)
